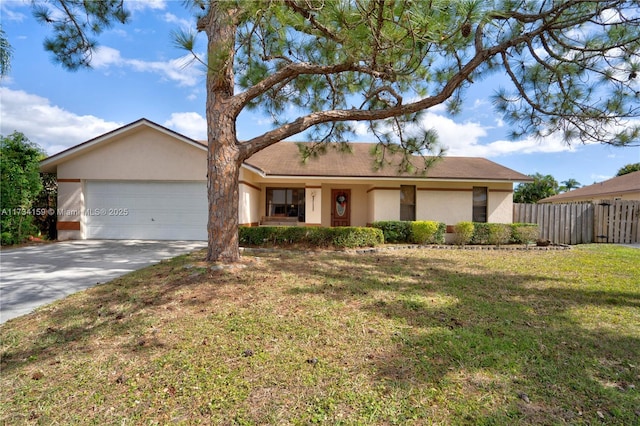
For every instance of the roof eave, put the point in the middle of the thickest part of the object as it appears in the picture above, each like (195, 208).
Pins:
(371, 177)
(562, 197)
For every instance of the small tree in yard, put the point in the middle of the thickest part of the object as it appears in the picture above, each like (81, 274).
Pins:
(19, 186)
(532, 192)
(572, 66)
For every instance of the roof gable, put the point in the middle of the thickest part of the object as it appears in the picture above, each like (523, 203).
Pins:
(49, 164)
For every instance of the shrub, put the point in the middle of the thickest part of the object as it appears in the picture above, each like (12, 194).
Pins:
(293, 234)
(499, 233)
(350, 237)
(439, 237)
(394, 231)
(524, 233)
(347, 237)
(319, 237)
(254, 236)
(480, 233)
(19, 187)
(428, 232)
(463, 232)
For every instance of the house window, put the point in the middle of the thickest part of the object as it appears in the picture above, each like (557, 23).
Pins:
(479, 204)
(407, 202)
(285, 202)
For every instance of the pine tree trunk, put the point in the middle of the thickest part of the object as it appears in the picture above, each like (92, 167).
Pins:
(222, 190)
(223, 160)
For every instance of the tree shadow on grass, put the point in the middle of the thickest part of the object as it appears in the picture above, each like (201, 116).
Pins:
(117, 310)
(505, 347)
(466, 340)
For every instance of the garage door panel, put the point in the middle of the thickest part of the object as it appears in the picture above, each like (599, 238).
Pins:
(146, 210)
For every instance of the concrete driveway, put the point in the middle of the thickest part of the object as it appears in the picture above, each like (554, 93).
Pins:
(37, 275)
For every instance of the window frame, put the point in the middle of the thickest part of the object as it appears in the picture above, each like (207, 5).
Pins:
(480, 207)
(408, 213)
(293, 205)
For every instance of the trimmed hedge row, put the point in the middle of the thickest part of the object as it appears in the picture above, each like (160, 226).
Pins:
(341, 237)
(391, 231)
(495, 233)
(417, 232)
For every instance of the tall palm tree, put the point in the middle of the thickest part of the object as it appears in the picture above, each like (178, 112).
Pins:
(568, 185)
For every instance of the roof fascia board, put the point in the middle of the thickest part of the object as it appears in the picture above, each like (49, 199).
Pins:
(255, 170)
(591, 195)
(371, 178)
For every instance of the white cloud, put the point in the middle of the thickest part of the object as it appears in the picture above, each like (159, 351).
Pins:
(10, 14)
(598, 178)
(455, 136)
(611, 16)
(173, 19)
(139, 5)
(182, 70)
(190, 124)
(480, 104)
(119, 32)
(468, 139)
(525, 146)
(105, 57)
(51, 127)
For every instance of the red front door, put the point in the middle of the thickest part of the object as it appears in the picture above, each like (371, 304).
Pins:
(340, 207)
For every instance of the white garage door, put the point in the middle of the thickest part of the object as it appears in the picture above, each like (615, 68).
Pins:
(146, 210)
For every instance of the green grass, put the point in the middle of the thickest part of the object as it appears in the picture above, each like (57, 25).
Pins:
(401, 337)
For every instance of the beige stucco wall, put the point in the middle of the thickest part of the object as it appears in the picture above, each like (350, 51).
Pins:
(70, 201)
(448, 202)
(313, 205)
(500, 206)
(385, 203)
(248, 208)
(143, 154)
(448, 206)
(451, 203)
(70, 208)
(359, 202)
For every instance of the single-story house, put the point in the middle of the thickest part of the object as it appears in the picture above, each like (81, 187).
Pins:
(625, 187)
(144, 181)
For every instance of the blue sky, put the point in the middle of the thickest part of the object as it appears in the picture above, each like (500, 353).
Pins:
(139, 73)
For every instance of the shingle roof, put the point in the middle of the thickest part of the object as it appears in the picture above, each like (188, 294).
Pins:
(284, 159)
(617, 185)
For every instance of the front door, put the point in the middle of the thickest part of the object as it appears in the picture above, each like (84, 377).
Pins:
(340, 207)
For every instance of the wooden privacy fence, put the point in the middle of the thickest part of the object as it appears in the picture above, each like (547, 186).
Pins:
(578, 223)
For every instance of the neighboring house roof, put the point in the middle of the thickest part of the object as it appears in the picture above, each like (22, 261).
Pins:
(618, 185)
(49, 164)
(284, 159)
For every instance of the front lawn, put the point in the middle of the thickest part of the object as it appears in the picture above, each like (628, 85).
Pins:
(402, 337)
